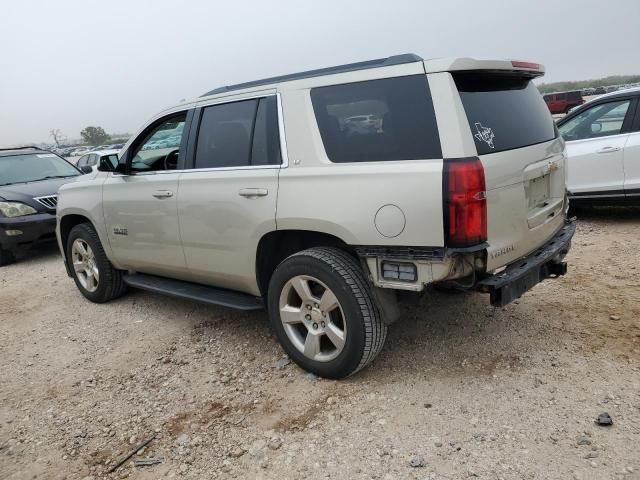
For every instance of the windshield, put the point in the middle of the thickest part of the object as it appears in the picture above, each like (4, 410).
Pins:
(504, 112)
(34, 167)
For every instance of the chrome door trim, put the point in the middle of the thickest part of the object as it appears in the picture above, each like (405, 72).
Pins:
(283, 139)
(281, 131)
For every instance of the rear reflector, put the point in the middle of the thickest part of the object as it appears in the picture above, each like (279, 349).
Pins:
(465, 204)
(519, 64)
(405, 272)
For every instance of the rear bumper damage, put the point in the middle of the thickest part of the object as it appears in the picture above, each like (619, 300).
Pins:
(522, 275)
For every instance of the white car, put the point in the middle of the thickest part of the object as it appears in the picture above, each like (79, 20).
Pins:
(603, 145)
(270, 200)
(80, 151)
(89, 163)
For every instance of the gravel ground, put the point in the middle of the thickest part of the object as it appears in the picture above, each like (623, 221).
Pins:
(461, 390)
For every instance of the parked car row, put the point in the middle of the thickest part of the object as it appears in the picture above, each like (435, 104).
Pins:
(608, 89)
(76, 151)
(169, 142)
(566, 102)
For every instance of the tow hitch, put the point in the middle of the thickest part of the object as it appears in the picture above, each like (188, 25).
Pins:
(522, 275)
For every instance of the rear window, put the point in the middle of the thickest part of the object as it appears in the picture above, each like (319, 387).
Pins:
(504, 112)
(377, 120)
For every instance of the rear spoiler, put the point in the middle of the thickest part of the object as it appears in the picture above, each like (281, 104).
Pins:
(526, 69)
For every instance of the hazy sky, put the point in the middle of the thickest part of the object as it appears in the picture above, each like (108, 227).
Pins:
(72, 63)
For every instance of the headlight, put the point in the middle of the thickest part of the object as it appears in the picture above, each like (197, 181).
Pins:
(15, 209)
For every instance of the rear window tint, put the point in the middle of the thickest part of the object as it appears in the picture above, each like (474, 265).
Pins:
(504, 112)
(377, 120)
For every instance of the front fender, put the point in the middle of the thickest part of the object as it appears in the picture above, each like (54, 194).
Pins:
(84, 199)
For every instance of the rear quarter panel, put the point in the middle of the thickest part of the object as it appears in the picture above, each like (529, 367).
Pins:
(342, 199)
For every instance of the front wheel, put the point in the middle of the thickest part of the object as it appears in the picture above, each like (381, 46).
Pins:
(322, 310)
(92, 271)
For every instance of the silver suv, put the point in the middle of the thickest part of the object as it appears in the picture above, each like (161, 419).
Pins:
(321, 195)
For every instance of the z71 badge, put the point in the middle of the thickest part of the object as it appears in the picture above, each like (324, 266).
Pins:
(120, 231)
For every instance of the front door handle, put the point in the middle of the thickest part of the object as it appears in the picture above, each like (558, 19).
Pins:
(608, 150)
(253, 192)
(163, 194)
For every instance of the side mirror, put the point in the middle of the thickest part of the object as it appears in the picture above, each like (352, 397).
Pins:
(121, 168)
(596, 127)
(86, 169)
(114, 164)
(106, 165)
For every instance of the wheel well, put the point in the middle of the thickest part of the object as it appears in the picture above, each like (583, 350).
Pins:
(67, 223)
(274, 247)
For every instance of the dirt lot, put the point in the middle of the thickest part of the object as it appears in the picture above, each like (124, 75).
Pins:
(461, 390)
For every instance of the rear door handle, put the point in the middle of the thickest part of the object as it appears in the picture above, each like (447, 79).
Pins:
(253, 192)
(608, 150)
(163, 194)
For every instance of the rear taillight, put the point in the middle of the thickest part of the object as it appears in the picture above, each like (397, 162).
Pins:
(465, 204)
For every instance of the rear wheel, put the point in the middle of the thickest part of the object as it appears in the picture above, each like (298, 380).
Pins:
(6, 257)
(92, 271)
(323, 313)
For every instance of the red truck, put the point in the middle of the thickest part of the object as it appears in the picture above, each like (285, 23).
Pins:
(562, 102)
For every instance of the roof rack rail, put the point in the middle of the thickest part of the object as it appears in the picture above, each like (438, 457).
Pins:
(350, 67)
(22, 148)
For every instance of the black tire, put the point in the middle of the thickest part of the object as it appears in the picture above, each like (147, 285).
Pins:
(341, 273)
(6, 257)
(110, 284)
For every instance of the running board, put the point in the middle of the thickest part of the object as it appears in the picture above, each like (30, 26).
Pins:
(193, 291)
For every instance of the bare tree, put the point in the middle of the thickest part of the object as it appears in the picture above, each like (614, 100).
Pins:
(57, 136)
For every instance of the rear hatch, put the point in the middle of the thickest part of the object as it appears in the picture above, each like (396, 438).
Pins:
(523, 159)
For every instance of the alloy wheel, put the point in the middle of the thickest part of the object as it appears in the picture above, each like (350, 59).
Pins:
(84, 264)
(312, 318)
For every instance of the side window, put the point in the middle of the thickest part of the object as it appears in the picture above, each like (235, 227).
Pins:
(92, 160)
(239, 134)
(82, 161)
(377, 120)
(598, 121)
(159, 147)
(266, 138)
(224, 136)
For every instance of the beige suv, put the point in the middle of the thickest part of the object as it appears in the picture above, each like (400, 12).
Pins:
(321, 195)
